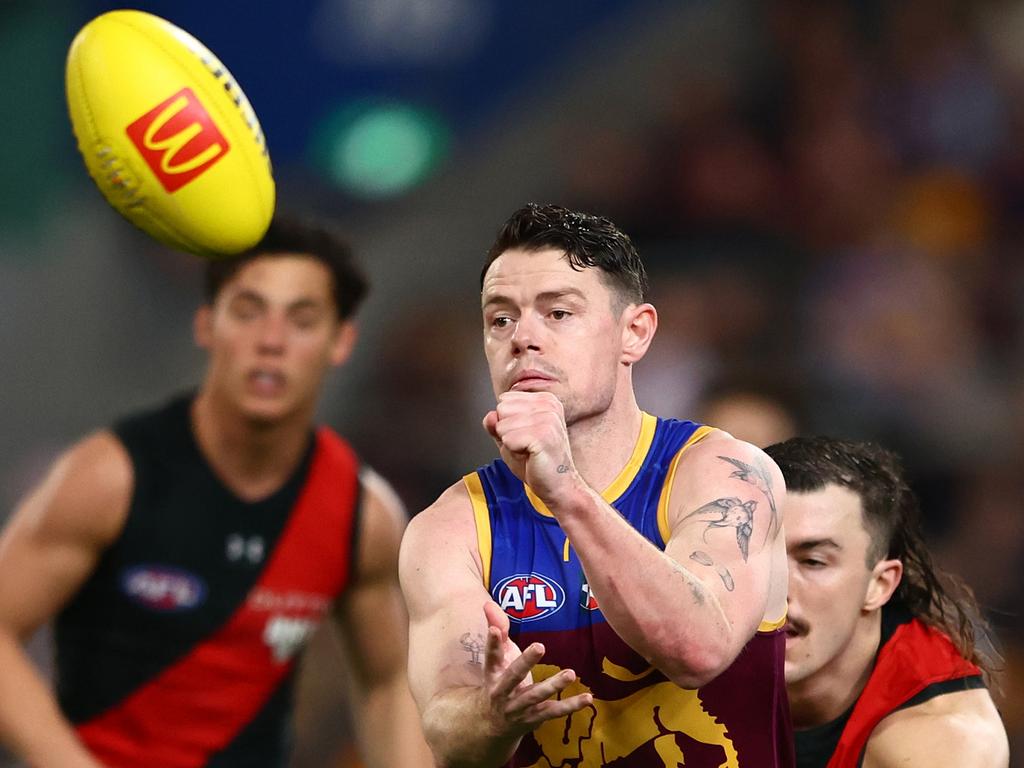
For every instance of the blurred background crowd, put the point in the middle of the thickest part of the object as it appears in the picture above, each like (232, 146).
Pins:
(829, 196)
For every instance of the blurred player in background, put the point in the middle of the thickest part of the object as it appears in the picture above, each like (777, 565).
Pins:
(188, 552)
(750, 408)
(612, 590)
(883, 664)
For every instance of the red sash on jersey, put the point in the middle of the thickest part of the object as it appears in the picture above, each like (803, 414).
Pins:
(915, 657)
(197, 706)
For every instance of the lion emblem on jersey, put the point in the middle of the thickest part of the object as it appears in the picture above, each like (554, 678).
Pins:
(660, 725)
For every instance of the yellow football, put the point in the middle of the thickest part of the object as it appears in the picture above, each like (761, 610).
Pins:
(167, 134)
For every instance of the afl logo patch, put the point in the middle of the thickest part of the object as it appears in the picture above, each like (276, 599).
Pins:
(528, 597)
(163, 588)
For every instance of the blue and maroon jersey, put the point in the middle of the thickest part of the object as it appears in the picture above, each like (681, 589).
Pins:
(638, 717)
(179, 650)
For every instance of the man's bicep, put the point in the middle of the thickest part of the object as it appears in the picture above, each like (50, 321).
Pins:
(724, 519)
(445, 595)
(57, 534)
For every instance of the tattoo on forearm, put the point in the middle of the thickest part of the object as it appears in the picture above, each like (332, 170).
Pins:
(760, 478)
(723, 573)
(474, 644)
(729, 513)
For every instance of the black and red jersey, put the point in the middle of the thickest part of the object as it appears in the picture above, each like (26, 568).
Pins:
(915, 663)
(179, 650)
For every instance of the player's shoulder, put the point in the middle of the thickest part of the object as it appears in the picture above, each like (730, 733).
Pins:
(961, 728)
(719, 452)
(88, 490)
(451, 514)
(440, 547)
(718, 442)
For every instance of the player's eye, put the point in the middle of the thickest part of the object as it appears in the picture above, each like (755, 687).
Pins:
(559, 314)
(501, 321)
(245, 309)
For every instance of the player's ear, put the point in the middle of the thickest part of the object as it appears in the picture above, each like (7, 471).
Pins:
(202, 326)
(885, 577)
(640, 321)
(344, 341)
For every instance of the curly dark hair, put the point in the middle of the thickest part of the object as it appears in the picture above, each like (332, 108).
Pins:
(892, 518)
(292, 235)
(587, 240)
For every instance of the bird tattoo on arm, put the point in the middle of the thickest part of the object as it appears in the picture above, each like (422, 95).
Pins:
(729, 512)
(761, 480)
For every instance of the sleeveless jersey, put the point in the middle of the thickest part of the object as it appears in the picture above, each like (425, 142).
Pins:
(178, 651)
(915, 663)
(638, 717)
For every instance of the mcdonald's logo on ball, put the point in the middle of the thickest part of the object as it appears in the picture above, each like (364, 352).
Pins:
(178, 139)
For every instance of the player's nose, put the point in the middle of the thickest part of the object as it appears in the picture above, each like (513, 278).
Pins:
(526, 335)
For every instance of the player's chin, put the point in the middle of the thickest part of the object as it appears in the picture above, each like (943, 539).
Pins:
(266, 410)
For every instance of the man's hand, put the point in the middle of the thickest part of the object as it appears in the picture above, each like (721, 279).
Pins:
(529, 429)
(514, 703)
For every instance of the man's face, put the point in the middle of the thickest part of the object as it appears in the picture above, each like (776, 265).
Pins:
(828, 577)
(271, 334)
(548, 327)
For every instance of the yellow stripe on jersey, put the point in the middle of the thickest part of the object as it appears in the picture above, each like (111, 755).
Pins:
(565, 551)
(483, 523)
(666, 490)
(771, 626)
(618, 486)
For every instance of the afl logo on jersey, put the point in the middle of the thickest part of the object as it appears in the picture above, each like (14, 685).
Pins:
(528, 597)
(163, 588)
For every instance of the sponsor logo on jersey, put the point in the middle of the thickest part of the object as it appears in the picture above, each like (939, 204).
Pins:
(528, 597)
(178, 140)
(587, 599)
(286, 635)
(266, 599)
(239, 547)
(163, 588)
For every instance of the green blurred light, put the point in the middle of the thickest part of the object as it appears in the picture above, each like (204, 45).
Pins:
(380, 150)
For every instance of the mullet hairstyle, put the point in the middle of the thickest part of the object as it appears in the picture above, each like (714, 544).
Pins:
(892, 518)
(293, 236)
(587, 240)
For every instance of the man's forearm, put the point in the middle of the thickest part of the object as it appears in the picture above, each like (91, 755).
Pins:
(389, 726)
(31, 724)
(458, 731)
(660, 609)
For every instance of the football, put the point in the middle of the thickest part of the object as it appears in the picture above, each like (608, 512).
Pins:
(168, 135)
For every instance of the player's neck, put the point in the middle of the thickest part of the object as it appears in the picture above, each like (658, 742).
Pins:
(603, 444)
(252, 459)
(829, 692)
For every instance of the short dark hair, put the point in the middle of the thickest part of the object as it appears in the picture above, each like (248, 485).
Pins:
(292, 235)
(892, 518)
(586, 239)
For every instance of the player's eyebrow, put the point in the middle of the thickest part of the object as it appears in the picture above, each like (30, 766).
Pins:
(827, 543)
(499, 299)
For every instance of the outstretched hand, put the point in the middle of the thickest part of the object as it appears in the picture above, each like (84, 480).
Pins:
(515, 704)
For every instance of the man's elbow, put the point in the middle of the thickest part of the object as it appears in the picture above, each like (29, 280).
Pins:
(693, 668)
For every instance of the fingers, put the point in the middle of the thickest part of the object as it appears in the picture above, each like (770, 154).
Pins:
(555, 708)
(540, 702)
(490, 424)
(517, 671)
(496, 618)
(545, 689)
